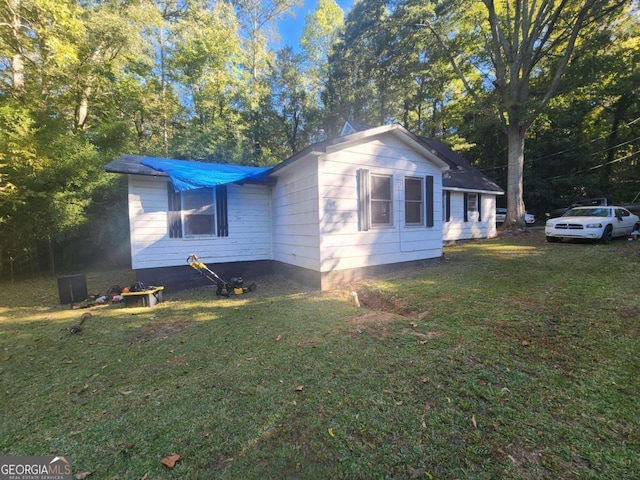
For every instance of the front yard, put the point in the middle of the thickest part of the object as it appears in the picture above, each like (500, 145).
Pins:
(512, 358)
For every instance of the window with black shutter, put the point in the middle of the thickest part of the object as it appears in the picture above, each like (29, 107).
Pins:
(446, 208)
(174, 212)
(221, 209)
(429, 198)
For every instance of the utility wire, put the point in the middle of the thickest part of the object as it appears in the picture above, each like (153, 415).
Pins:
(593, 154)
(636, 120)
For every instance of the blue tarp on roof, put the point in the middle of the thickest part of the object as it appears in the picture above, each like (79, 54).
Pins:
(187, 175)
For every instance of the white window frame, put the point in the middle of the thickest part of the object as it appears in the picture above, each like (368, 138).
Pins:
(412, 202)
(200, 208)
(473, 207)
(377, 204)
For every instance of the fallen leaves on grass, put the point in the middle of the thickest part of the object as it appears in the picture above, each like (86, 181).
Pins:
(83, 475)
(171, 460)
(418, 472)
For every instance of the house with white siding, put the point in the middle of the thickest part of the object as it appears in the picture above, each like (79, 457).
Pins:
(373, 200)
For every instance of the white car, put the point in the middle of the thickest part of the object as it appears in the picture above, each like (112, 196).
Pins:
(501, 214)
(591, 223)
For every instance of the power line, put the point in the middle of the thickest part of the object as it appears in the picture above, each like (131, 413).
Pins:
(633, 154)
(593, 154)
(636, 120)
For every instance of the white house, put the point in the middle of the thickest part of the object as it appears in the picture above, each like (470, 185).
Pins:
(372, 200)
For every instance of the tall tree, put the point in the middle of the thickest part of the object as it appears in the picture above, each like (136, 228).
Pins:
(206, 52)
(257, 20)
(359, 68)
(321, 31)
(289, 100)
(520, 50)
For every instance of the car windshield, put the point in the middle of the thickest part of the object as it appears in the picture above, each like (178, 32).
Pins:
(587, 212)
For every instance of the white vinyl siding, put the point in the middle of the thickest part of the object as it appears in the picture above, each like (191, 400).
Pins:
(249, 217)
(459, 229)
(296, 215)
(344, 244)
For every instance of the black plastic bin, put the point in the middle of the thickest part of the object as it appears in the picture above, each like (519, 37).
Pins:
(72, 288)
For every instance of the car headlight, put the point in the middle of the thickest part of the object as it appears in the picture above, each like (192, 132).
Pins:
(594, 225)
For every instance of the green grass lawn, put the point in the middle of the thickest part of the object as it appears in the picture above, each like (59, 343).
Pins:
(512, 358)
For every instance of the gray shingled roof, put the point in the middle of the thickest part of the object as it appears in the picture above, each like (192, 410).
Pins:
(131, 164)
(462, 175)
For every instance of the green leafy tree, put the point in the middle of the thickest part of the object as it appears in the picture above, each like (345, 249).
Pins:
(289, 100)
(321, 31)
(257, 20)
(204, 60)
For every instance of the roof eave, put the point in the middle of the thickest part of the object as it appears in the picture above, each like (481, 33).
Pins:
(473, 190)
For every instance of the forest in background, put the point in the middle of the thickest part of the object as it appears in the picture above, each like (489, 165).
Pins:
(83, 81)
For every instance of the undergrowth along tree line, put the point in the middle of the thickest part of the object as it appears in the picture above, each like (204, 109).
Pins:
(82, 82)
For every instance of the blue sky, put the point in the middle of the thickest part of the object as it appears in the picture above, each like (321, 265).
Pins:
(290, 29)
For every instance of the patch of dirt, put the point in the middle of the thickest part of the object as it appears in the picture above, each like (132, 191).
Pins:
(372, 318)
(375, 323)
(377, 302)
(158, 331)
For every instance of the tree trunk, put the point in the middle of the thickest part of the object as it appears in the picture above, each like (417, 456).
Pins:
(52, 263)
(515, 202)
(163, 95)
(82, 111)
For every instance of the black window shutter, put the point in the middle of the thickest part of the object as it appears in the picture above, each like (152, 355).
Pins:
(363, 186)
(174, 212)
(447, 206)
(221, 211)
(466, 207)
(429, 199)
(479, 207)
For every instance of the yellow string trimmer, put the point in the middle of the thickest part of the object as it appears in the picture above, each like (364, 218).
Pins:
(235, 286)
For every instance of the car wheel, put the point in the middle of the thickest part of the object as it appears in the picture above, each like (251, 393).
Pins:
(607, 234)
(553, 239)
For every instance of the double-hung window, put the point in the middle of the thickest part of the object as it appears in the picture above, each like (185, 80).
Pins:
(413, 201)
(375, 200)
(200, 212)
(381, 202)
(472, 205)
